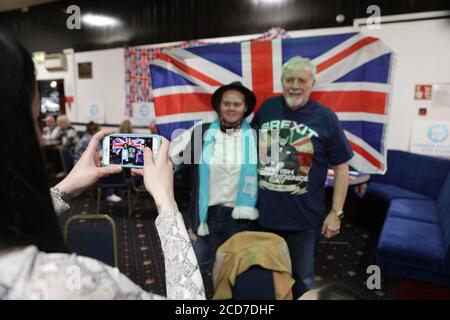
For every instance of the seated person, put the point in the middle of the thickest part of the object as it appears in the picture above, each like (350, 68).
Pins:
(91, 129)
(49, 132)
(67, 134)
(126, 126)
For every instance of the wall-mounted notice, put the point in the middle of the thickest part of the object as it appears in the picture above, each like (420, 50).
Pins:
(431, 138)
(94, 112)
(441, 95)
(143, 113)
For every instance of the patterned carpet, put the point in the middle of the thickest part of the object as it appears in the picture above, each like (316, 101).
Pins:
(345, 258)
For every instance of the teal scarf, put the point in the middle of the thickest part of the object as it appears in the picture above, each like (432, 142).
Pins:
(248, 181)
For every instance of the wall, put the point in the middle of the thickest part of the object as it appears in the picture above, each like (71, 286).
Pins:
(422, 57)
(107, 86)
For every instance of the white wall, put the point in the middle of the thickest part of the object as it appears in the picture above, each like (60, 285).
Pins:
(422, 57)
(107, 86)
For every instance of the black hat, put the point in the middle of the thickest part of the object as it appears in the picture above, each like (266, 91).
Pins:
(250, 98)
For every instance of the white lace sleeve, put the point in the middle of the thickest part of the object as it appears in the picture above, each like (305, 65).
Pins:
(83, 278)
(60, 201)
(183, 277)
(30, 274)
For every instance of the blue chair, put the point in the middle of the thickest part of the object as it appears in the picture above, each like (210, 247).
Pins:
(68, 159)
(415, 238)
(254, 284)
(138, 188)
(65, 160)
(114, 181)
(94, 236)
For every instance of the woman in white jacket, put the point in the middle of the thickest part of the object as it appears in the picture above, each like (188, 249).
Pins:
(33, 261)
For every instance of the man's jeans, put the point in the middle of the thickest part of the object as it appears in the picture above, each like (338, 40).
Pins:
(302, 245)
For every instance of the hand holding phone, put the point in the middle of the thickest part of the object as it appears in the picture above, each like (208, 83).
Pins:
(158, 177)
(127, 150)
(87, 170)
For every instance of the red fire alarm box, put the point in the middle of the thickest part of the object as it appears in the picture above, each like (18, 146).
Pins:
(422, 111)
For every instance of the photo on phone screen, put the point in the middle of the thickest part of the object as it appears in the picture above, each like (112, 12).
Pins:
(128, 151)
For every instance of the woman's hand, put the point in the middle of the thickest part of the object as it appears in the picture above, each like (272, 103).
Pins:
(88, 169)
(158, 177)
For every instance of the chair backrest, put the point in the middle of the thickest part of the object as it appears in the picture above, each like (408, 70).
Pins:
(254, 284)
(137, 182)
(415, 172)
(94, 236)
(116, 180)
(253, 265)
(66, 159)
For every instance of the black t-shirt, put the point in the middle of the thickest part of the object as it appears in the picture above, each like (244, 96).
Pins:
(131, 152)
(292, 178)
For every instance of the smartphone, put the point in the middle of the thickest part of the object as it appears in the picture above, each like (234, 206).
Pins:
(127, 150)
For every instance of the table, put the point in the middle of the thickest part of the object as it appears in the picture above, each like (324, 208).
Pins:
(355, 178)
(50, 144)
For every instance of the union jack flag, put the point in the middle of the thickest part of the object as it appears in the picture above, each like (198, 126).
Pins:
(119, 142)
(353, 79)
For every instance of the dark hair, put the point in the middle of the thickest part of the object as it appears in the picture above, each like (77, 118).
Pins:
(51, 116)
(337, 291)
(249, 96)
(92, 128)
(26, 210)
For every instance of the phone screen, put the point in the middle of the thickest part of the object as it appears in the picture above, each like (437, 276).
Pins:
(128, 150)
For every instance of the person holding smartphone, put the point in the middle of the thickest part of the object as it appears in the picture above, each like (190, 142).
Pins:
(34, 263)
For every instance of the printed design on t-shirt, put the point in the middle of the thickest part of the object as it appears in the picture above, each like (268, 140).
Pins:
(286, 153)
(132, 152)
